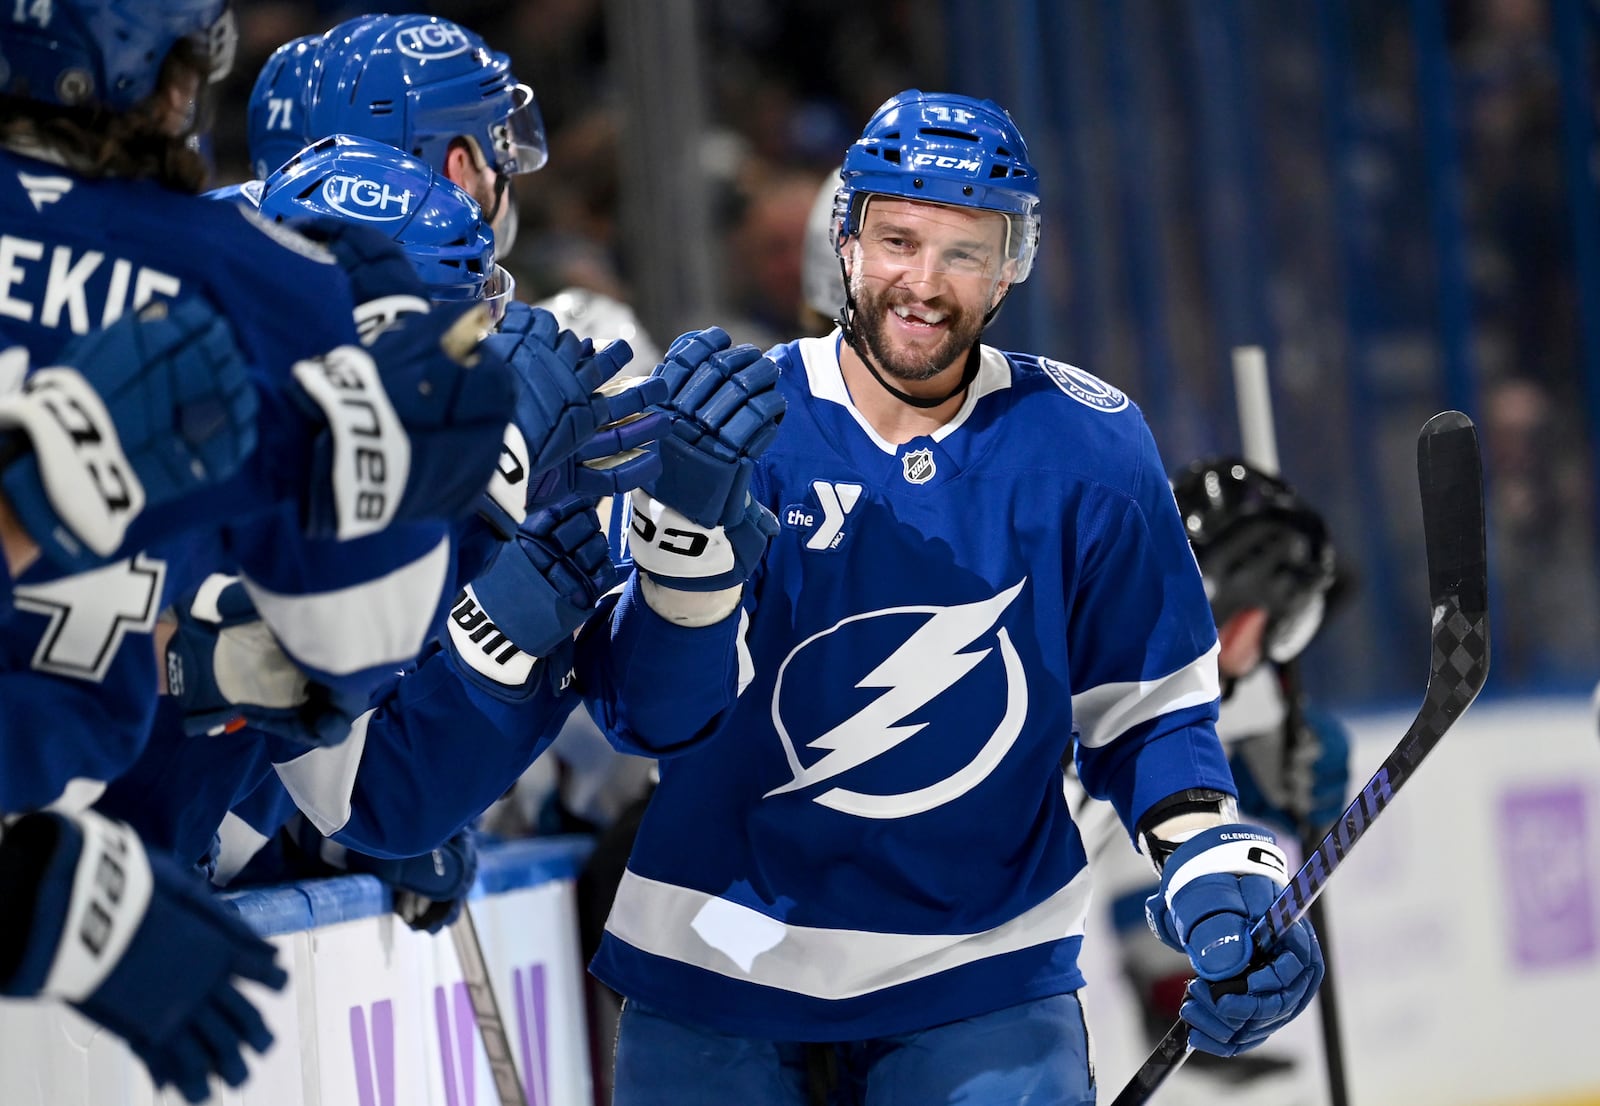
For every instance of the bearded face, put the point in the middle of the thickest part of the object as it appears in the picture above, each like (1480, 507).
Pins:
(923, 276)
(912, 339)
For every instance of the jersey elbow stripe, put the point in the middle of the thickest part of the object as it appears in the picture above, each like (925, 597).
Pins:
(323, 781)
(380, 622)
(1103, 714)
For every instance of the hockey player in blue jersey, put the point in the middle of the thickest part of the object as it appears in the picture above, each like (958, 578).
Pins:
(421, 83)
(225, 666)
(96, 181)
(290, 304)
(869, 867)
(367, 183)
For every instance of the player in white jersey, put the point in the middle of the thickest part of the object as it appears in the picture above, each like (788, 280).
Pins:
(866, 873)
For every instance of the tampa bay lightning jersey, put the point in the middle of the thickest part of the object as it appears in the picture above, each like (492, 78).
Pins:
(77, 660)
(876, 838)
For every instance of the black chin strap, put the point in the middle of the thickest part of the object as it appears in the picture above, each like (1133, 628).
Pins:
(502, 181)
(969, 372)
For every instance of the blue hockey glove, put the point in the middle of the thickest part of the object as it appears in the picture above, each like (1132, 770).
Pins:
(725, 411)
(152, 407)
(678, 553)
(428, 890)
(578, 429)
(542, 586)
(134, 942)
(228, 671)
(1305, 788)
(1213, 889)
(411, 426)
(383, 282)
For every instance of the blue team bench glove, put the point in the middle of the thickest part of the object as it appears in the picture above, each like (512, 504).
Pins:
(1213, 889)
(542, 586)
(579, 429)
(428, 890)
(680, 554)
(725, 411)
(406, 425)
(383, 282)
(1301, 788)
(409, 428)
(154, 406)
(227, 671)
(134, 942)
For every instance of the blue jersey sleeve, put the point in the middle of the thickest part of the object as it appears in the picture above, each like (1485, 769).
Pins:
(657, 689)
(1144, 658)
(56, 732)
(178, 791)
(433, 753)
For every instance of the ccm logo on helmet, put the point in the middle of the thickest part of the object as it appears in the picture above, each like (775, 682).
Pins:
(364, 199)
(432, 41)
(945, 161)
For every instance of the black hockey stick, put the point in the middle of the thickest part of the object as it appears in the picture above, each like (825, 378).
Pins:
(1450, 474)
(486, 1009)
(1328, 993)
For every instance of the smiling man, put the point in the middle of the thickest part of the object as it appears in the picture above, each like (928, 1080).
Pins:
(864, 884)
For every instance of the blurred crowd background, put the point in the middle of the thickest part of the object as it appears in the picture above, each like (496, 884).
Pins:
(1400, 201)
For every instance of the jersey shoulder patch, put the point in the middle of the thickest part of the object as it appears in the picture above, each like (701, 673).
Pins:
(1084, 386)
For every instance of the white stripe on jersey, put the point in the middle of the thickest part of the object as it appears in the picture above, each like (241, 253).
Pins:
(1103, 714)
(733, 940)
(239, 842)
(381, 621)
(321, 781)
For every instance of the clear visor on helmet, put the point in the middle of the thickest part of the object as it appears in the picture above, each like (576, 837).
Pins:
(498, 291)
(897, 237)
(518, 139)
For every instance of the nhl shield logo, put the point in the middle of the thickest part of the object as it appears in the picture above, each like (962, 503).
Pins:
(919, 466)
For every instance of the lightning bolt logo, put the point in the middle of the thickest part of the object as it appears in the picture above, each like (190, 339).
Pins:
(928, 663)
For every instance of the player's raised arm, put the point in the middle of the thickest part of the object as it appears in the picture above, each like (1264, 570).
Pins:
(696, 537)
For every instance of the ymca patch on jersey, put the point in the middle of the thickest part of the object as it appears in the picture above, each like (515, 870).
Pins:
(1084, 387)
(821, 517)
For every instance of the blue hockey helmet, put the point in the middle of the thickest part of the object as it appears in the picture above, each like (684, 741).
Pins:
(280, 100)
(943, 148)
(75, 53)
(418, 82)
(359, 180)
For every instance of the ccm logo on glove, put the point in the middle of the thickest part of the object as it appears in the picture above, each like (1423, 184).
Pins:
(685, 543)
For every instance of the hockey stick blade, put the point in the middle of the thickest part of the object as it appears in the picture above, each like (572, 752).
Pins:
(486, 1009)
(1450, 474)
